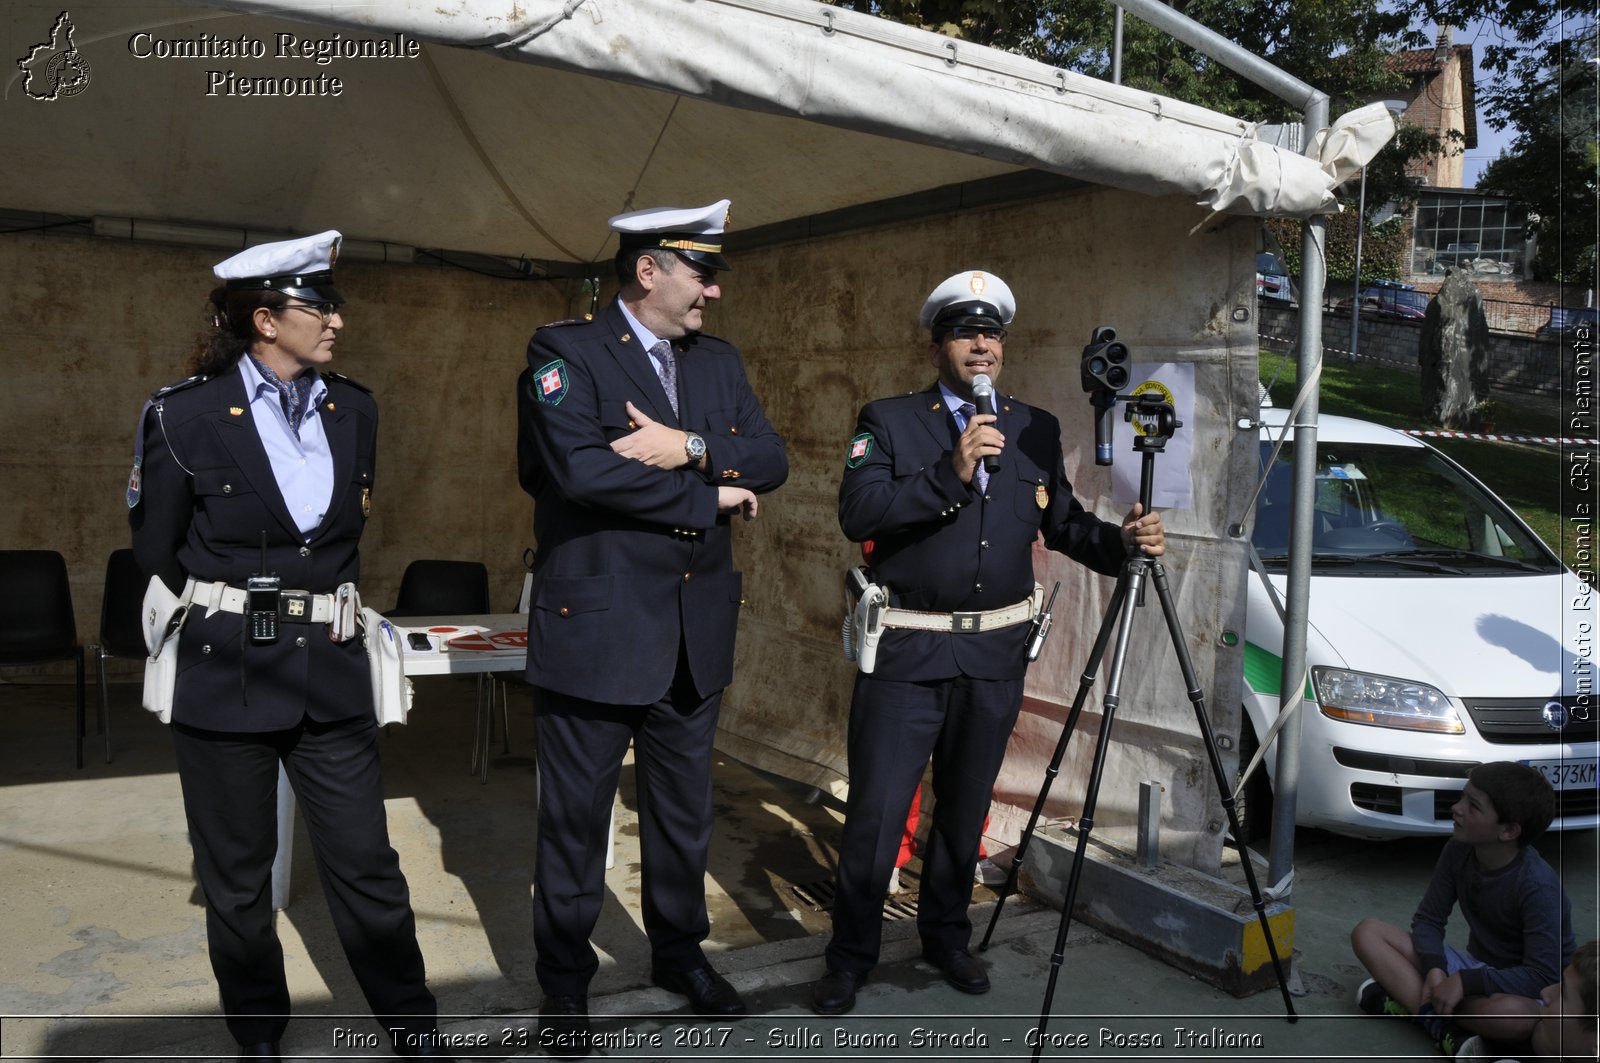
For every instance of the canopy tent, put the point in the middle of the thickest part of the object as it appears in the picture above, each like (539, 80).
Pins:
(445, 148)
(229, 116)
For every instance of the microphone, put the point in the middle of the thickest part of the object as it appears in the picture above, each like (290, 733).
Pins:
(983, 399)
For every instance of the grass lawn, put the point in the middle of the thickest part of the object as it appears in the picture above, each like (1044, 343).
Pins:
(1530, 478)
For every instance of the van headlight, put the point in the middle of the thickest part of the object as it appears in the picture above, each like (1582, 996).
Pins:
(1381, 701)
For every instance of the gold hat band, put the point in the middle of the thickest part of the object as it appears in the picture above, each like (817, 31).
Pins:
(689, 245)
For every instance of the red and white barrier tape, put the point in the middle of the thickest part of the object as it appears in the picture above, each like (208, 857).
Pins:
(1494, 438)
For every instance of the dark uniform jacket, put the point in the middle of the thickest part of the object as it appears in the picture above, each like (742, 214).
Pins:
(208, 494)
(631, 558)
(939, 546)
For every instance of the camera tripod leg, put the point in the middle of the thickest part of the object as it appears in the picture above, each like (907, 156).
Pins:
(1085, 684)
(1197, 698)
(1128, 586)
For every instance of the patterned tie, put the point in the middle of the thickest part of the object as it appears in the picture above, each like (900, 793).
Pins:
(980, 473)
(294, 395)
(668, 371)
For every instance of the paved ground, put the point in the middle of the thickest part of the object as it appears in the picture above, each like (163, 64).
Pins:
(104, 954)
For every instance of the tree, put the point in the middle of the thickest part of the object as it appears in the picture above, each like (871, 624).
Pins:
(1548, 94)
(1343, 47)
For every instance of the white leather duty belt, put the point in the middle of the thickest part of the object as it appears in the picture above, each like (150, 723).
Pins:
(294, 607)
(961, 623)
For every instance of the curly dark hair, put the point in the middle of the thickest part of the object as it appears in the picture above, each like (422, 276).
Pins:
(232, 331)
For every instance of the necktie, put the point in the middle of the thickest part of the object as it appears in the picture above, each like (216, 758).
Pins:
(668, 372)
(980, 474)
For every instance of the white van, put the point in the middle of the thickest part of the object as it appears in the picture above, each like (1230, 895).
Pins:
(1443, 633)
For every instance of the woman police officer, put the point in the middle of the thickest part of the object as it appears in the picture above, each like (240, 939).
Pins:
(252, 482)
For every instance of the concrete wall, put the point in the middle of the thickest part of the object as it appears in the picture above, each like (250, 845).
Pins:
(90, 327)
(826, 325)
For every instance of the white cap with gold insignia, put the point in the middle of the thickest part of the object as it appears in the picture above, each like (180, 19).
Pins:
(692, 232)
(970, 298)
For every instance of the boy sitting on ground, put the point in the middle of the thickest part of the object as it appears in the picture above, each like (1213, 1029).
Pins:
(1518, 917)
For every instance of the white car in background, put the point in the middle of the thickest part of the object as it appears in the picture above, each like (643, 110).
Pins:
(1442, 634)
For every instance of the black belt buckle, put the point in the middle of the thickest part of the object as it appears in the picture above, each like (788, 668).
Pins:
(294, 607)
(966, 622)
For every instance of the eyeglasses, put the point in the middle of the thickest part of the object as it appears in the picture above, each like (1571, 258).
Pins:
(322, 310)
(970, 334)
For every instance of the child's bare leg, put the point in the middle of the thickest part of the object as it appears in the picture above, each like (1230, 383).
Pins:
(1500, 1016)
(1386, 952)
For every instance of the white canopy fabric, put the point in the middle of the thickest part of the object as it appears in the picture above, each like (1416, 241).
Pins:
(840, 68)
(790, 108)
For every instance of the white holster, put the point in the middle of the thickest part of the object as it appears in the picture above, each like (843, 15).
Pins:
(865, 604)
(391, 690)
(162, 619)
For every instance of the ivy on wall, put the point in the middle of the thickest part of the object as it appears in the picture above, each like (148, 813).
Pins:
(1384, 249)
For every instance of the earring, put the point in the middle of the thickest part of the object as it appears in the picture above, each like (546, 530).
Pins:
(272, 335)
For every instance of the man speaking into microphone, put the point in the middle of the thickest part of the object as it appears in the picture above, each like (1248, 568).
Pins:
(950, 487)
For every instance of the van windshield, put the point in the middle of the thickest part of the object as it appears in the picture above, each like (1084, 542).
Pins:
(1378, 504)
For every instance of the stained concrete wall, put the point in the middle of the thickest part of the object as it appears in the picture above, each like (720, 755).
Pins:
(826, 325)
(89, 327)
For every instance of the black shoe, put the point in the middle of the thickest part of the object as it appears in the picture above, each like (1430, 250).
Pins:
(261, 1050)
(709, 993)
(835, 992)
(564, 1027)
(960, 969)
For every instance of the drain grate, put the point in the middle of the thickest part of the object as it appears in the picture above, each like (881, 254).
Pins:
(819, 895)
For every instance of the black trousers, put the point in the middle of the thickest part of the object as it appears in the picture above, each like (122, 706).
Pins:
(230, 787)
(895, 728)
(581, 748)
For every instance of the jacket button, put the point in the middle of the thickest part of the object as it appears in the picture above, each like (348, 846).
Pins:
(734, 430)
(205, 649)
(565, 611)
(227, 489)
(305, 551)
(686, 577)
(301, 642)
(741, 601)
(984, 544)
(977, 586)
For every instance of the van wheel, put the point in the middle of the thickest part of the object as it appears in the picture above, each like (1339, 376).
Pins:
(1254, 805)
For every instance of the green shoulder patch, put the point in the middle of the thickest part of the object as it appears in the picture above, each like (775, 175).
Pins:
(860, 450)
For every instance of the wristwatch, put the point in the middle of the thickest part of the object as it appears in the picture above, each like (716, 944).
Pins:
(694, 447)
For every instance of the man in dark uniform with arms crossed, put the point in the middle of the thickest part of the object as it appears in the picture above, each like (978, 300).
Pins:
(641, 440)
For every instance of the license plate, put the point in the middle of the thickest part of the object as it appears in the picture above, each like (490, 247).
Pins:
(1568, 774)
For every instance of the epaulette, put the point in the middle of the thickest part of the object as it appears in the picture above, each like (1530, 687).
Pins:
(565, 321)
(340, 378)
(189, 382)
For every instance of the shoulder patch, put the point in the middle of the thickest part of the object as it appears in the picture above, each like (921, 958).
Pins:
(550, 382)
(860, 450)
(340, 378)
(187, 382)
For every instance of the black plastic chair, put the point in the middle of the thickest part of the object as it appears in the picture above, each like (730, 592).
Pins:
(121, 633)
(457, 588)
(37, 625)
(443, 588)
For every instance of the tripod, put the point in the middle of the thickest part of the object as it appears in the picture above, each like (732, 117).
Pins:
(1119, 613)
